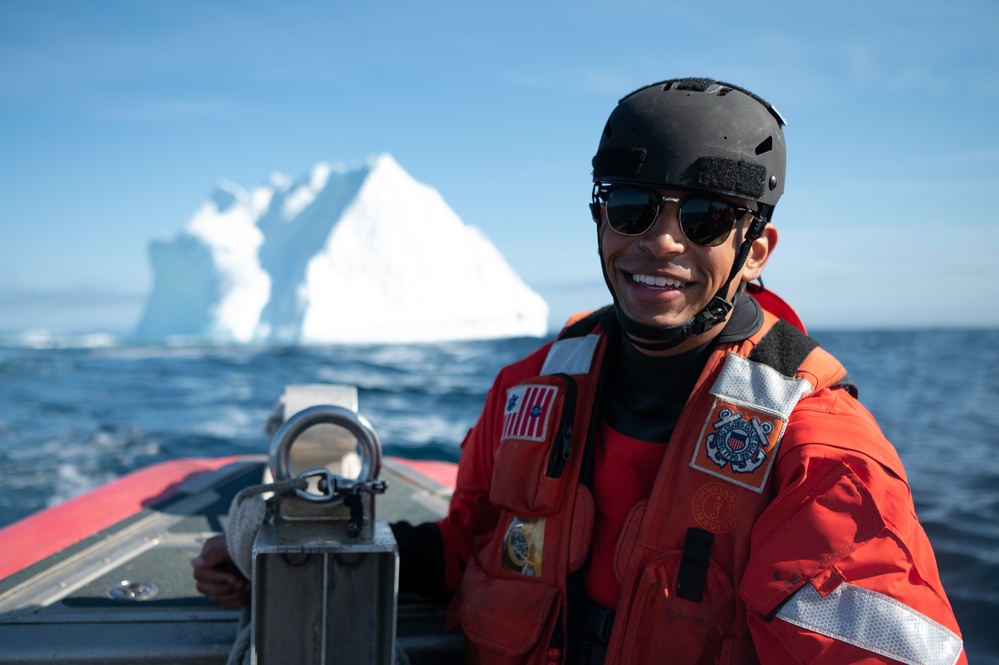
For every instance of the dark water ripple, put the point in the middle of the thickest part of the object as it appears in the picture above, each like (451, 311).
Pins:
(73, 418)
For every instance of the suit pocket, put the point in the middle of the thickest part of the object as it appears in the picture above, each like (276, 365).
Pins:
(536, 446)
(668, 628)
(505, 619)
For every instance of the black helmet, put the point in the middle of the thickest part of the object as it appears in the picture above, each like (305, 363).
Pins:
(695, 133)
(699, 134)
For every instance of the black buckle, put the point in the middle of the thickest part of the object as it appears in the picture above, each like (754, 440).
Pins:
(596, 621)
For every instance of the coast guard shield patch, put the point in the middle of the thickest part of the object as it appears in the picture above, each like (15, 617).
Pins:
(739, 443)
(739, 440)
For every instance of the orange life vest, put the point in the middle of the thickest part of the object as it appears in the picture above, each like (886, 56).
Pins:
(689, 584)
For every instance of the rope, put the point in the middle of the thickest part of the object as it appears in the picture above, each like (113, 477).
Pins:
(247, 512)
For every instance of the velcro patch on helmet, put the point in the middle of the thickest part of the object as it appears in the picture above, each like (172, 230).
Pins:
(727, 174)
(620, 162)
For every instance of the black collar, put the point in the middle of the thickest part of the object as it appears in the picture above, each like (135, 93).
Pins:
(643, 395)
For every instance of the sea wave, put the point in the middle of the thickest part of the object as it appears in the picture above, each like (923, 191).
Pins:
(79, 412)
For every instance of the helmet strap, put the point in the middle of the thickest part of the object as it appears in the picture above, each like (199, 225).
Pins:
(661, 338)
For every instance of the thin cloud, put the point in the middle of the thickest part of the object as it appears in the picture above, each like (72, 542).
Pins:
(169, 110)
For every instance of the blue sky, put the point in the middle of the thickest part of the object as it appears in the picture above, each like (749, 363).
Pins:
(118, 118)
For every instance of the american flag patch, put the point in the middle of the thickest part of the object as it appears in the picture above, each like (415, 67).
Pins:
(526, 412)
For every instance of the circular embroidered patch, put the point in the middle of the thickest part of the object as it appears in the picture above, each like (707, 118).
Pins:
(715, 507)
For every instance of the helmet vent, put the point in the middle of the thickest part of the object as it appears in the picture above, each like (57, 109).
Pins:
(765, 146)
(692, 84)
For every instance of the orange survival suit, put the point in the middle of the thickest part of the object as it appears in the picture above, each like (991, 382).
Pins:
(780, 528)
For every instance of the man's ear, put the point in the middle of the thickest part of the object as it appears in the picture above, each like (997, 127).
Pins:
(760, 253)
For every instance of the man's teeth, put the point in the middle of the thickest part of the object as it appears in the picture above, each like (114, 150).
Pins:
(653, 280)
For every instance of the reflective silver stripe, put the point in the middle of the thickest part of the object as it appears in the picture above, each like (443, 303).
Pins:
(754, 383)
(874, 622)
(570, 356)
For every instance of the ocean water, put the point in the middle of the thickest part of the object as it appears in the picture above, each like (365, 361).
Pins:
(75, 414)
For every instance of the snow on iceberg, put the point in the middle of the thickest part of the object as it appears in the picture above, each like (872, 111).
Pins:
(365, 255)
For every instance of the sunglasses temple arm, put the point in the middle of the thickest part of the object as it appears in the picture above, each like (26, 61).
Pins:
(595, 212)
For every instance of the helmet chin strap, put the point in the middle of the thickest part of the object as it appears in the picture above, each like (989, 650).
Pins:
(661, 338)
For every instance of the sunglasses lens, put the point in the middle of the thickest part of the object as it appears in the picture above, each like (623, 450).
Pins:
(631, 211)
(706, 222)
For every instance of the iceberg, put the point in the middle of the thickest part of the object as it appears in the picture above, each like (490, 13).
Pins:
(361, 255)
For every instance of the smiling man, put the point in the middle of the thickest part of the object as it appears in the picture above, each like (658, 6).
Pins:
(683, 476)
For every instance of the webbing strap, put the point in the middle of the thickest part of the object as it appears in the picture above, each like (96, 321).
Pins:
(693, 573)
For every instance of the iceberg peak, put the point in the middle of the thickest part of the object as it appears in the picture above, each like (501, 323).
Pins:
(342, 255)
(227, 194)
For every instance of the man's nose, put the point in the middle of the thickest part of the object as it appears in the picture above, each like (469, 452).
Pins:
(665, 236)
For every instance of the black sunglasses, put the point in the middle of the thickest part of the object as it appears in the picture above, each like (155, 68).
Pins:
(632, 211)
